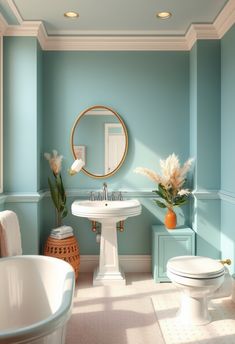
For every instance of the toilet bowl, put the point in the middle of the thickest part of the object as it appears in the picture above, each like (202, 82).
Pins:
(198, 279)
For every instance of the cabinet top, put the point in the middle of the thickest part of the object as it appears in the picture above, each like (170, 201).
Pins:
(178, 230)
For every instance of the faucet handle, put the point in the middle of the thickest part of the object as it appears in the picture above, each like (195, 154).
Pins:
(120, 197)
(92, 196)
(99, 196)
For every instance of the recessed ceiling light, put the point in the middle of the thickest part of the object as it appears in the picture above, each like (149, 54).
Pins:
(163, 15)
(71, 14)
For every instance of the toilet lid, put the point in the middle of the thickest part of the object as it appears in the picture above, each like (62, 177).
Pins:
(195, 267)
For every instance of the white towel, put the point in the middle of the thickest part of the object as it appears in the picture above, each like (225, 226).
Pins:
(61, 236)
(62, 230)
(10, 237)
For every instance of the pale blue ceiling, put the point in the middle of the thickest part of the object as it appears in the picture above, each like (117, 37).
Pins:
(116, 16)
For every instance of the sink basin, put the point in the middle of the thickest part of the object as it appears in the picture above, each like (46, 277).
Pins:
(106, 209)
(108, 213)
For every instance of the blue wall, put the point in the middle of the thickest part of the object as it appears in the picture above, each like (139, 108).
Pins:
(150, 92)
(22, 134)
(205, 144)
(20, 114)
(148, 89)
(169, 101)
(228, 144)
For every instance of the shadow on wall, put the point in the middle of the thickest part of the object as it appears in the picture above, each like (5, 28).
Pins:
(206, 223)
(227, 232)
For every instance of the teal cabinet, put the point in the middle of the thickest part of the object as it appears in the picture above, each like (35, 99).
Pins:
(167, 244)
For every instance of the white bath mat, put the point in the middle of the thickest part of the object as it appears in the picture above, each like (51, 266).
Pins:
(220, 331)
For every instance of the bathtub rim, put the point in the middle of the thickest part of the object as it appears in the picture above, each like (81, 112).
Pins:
(57, 319)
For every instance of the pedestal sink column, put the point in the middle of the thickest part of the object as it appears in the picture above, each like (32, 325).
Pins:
(108, 271)
(108, 213)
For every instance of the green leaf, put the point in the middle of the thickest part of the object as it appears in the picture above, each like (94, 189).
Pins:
(166, 194)
(161, 188)
(180, 200)
(58, 195)
(64, 212)
(54, 194)
(160, 204)
(179, 203)
(58, 183)
(159, 193)
(63, 191)
(60, 186)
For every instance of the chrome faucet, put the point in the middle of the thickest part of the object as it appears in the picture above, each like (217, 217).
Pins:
(105, 192)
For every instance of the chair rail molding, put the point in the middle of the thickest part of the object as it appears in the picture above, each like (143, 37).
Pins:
(127, 193)
(227, 196)
(115, 41)
(2, 199)
(131, 193)
(23, 197)
(206, 194)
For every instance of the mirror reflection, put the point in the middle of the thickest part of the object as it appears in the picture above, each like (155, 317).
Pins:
(99, 138)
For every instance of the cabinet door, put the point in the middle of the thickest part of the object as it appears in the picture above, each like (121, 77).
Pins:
(172, 246)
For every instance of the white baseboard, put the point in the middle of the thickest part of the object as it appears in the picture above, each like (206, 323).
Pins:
(129, 263)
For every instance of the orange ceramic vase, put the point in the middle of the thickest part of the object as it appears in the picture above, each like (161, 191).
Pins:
(170, 219)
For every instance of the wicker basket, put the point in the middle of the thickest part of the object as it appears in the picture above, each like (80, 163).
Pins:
(66, 249)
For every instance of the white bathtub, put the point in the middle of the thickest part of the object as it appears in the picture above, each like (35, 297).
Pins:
(36, 294)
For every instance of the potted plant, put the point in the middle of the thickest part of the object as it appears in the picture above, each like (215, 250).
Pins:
(170, 185)
(57, 190)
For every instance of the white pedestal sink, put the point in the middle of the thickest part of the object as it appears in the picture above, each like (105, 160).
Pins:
(108, 213)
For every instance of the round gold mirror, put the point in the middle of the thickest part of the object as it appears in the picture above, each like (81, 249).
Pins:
(99, 138)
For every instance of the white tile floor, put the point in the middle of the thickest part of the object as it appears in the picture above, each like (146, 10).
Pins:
(126, 315)
(221, 330)
(114, 315)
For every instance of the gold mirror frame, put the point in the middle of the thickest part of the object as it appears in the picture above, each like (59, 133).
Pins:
(126, 138)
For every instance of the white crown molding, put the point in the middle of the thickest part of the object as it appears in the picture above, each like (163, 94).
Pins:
(95, 43)
(15, 11)
(3, 25)
(27, 28)
(200, 31)
(138, 41)
(112, 43)
(226, 19)
(42, 35)
(116, 33)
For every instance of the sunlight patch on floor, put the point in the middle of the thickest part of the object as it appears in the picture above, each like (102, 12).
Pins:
(220, 331)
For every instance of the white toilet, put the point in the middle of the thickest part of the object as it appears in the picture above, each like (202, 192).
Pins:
(199, 279)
